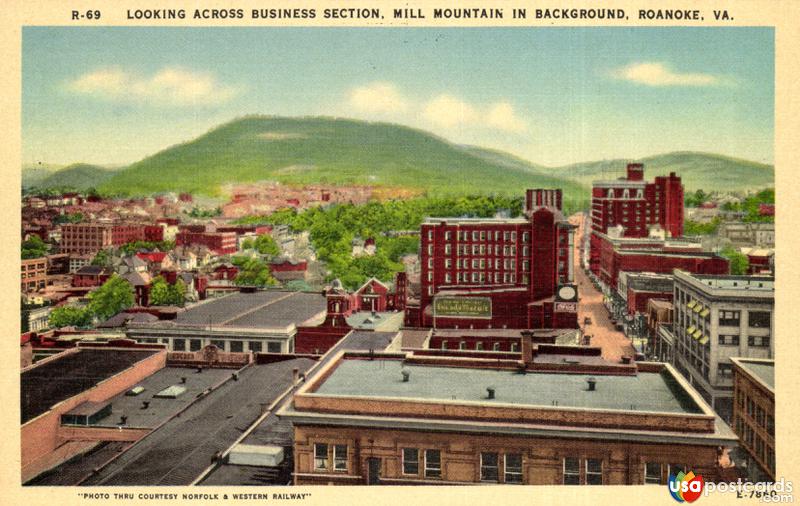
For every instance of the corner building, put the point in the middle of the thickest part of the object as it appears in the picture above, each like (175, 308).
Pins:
(397, 419)
(513, 267)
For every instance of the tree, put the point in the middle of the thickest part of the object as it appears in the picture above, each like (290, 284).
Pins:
(70, 316)
(115, 295)
(739, 262)
(102, 258)
(34, 247)
(255, 272)
(266, 245)
(159, 292)
(177, 293)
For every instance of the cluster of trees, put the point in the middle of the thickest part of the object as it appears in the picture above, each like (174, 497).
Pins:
(696, 228)
(34, 247)
(264, 244)
(253, 272)
(197, 212)
(136, 246)
(68, 218)
(750, 206)
(114, 296)
(164, 294)
(332, 230)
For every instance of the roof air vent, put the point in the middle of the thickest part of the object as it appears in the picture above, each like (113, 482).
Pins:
(590, 384)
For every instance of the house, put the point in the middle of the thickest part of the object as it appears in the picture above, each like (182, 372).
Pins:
(91, 275)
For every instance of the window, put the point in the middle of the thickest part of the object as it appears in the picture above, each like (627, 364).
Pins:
(594, 472)
(729, 340)
(474, 235)
(410, 461)
(447, 249)
(195, 344)
(729, 318)
(433, 464)
(514, 346)
(759, 319)
(273, 347)
(489, 470)
(430, 234)
(572, 471)
(430, 263)
(320, 456)
(444, 344)
(447, 278)
(483, 235)
(652, 473)
(479, 346)
(675, 469)
(219, 344)
(496, 347)
(725, 370)
(448, 263)
(447, 236)
(758, 341)
(179, 344)
(462, 345)
(237, 346)
(340, 457)
(513, 470)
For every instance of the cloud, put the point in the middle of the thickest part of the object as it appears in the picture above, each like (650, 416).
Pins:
(448, 111)
(660, 74)
(170, 85)
(378, 98)
(503, 117)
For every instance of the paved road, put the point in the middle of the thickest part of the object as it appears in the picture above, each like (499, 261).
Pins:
(614, 343)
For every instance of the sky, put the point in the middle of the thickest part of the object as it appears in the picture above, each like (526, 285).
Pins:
(114, 95)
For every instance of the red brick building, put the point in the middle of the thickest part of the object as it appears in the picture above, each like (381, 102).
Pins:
(636, 205)
(221, 243)
(89, 238)
(507, 270)
(655, 256)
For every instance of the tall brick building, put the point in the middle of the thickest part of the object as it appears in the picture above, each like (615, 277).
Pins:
(636, 205)
(497, 272)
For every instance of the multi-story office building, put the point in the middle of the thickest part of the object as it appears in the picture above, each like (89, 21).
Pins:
(716, 318)
(498, 272)
(89, 238)
(398, 419)
(754, 414)
(636, 205)
(33, 273)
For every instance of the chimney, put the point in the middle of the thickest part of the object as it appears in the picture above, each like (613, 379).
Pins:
(235, 376)
(406, 374)
(527, 348)
(145, 404)
(490, 392)
(123, 420)
(295, 376)
(199, 368)
(183, 379)
(590, 384)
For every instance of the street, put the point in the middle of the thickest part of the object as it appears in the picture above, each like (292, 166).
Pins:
(590, 304)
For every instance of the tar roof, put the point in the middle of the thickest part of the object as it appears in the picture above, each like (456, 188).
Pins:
(160, 409)
(652, 392)
(181, 449)
(259, 309)
(45, 385)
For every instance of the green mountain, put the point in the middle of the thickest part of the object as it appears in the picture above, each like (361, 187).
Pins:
(328, 150)
(704, 171)
(79, 176)
(33, 174)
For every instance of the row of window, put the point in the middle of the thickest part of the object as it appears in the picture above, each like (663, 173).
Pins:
(479, 346)
(330, 457)
(179, 344)
(483, 235)
(755, 319)
(483, 263)
(481, 277)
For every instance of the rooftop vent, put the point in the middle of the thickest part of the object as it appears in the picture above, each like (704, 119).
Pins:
(145, 404)
(490, 392)
(235, 376)
(123, 420)
(590, 384)
(406, 374)
(183, 379)
(199, 368)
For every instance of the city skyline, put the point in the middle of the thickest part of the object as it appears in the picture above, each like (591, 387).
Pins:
(553, 96)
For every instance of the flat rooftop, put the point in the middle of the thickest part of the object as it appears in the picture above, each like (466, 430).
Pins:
(763, 370)
(160, 409)
(182, 448)
(647, 392)
(265, 309)
(738, 282)
(71, 373)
